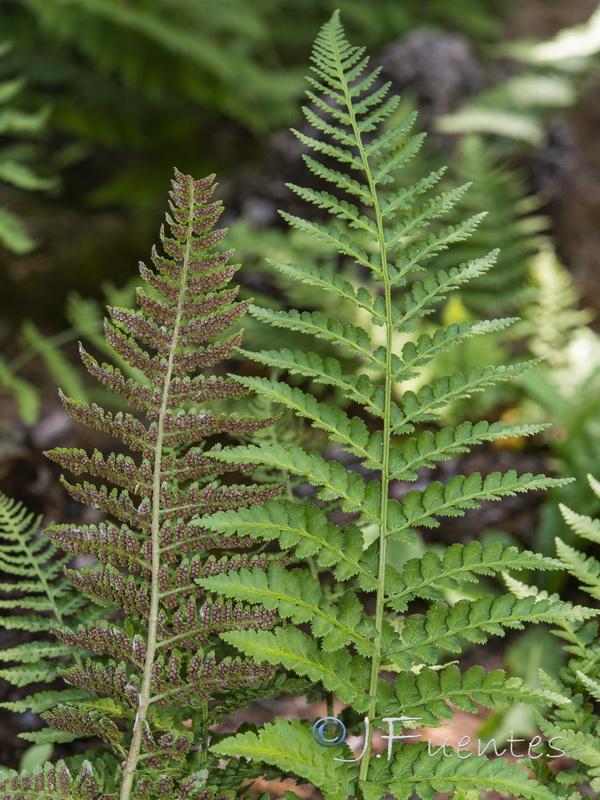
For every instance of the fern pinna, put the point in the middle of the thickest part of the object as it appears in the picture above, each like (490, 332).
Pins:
(156, 660)
(344, 637)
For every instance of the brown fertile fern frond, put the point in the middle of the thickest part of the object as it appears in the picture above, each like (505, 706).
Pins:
(157, 661)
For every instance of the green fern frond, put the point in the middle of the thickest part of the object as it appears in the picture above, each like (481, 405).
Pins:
(576, 725)
(14, 170)
(582, 524)
(389, 235)
(578, 745)
(443, 627)
(36, 566)
(353, 337)
(339, 672)
(586, 570)
(298, 596)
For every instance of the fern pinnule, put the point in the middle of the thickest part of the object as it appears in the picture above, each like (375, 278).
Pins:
(343, 638)
(53, 782)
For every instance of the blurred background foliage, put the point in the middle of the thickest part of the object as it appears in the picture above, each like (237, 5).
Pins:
(136, 83)
(99, 99)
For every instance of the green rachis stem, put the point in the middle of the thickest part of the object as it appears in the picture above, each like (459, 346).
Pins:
(387, 431)
(133, 757)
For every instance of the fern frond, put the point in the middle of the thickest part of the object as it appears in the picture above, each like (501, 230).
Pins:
(586, 570)
(427, 448)
(317, 324)
(338, 481)
(427, 346)
(575, 726)
(443, 627)
(157, 659)
(582, 524)
(339, 672)
(328, 370)
(298, 596)
(391, 234)
(578, 745)
(351, 432)
(434, 288)
(420, 406)
(35, 566)
(460, 493)
(304, 528)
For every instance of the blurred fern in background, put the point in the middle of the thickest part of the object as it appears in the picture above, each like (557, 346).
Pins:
(19, 129)
(141, 79)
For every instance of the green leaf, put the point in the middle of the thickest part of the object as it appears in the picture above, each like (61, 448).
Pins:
(414, 770)
(461, 493)
(26, 395)
(48, 736)
(576, 744)
(36, 673)
(339, 672)
(586, 570)
(351, 432)
(13, 235)
(475, 621)
(21, 176)
(327, 370)
(34, 756)
(304, 528)
(583, 525)
(422, 406)
(425, 576)
(428, 448)
(58, 364)
(297, 596)
(332, 235)
(429, 693)
(289, 745)
(42, 701)
(317, 324)
(34, 651)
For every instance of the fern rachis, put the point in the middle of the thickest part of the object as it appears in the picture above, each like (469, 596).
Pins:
(151, 640)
